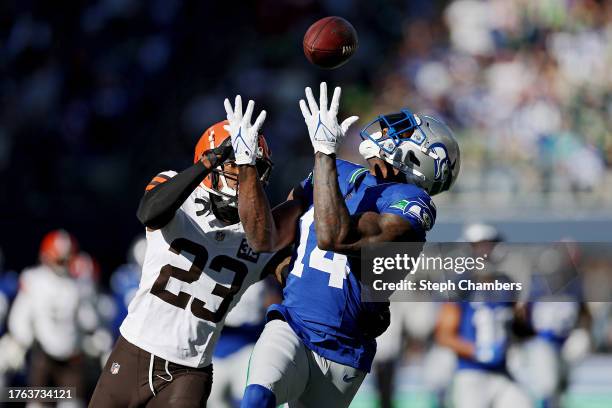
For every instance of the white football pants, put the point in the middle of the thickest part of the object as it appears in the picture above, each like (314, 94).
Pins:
(297, 375)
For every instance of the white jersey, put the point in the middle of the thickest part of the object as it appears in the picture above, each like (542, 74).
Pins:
(195, 270)
(47, 309)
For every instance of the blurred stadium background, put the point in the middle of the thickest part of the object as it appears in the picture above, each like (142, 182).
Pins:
(98, 96)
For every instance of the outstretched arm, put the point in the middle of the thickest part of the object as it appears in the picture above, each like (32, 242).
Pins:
(164, 195)
(337, 230)
(266, 230)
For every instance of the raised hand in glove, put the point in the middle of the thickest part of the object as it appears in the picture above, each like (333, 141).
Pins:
(244, 135)
(325, 133)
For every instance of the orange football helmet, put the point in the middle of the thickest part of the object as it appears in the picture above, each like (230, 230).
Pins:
(213, 137)
(58, 247)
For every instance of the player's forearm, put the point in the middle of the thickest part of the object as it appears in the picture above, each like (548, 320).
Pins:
(255, 212)
(332, 218)
(158, 205)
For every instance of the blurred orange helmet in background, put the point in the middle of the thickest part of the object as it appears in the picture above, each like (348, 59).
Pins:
(58, 247)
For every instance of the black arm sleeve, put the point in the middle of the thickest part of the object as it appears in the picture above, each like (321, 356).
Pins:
(158, 205)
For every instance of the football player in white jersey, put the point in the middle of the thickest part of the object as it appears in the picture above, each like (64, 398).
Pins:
(197, 266)
(47, 318)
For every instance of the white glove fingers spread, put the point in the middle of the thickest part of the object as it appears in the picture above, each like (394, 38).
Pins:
(312, 104)
(244, 136)
(323, 97)
(326, 134)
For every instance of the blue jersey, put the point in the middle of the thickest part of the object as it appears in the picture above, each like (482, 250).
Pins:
(124, 284)
(9, 283)
(233, 339)
(487, 326)
(322, 296)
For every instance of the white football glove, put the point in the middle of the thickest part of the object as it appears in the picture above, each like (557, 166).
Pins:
(244, 135)
(326, 134)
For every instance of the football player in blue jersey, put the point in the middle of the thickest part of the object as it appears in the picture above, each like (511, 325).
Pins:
(478, 330)
(318, 345)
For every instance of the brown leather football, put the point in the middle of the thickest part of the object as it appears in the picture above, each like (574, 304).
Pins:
(330, 42)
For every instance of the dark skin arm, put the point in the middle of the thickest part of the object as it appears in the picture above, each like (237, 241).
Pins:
(447, 331)
(267, 230)
(336, 229)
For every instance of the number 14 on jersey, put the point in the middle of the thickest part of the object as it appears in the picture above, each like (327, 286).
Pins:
(336, 267)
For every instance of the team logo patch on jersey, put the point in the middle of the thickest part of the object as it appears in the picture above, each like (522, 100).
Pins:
(245, 252)
(418, 209)
(115, 368)
(219, 236)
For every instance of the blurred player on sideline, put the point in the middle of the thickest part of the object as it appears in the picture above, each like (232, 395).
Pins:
(197, 266)
(318, 345)
(46, 318)
(96, 310)
(479, 332)
(99, 307)
(553, 318)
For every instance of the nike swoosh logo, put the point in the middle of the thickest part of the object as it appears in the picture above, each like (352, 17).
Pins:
(348, 378)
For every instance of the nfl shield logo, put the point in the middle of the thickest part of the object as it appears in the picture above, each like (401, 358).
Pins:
(115, 368)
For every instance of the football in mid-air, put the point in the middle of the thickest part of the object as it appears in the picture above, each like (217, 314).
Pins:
(330, 42)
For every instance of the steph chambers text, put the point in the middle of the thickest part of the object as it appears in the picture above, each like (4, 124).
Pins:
(445, 286)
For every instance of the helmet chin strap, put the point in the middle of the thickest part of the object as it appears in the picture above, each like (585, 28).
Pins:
(225, 189)
(227, 194)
